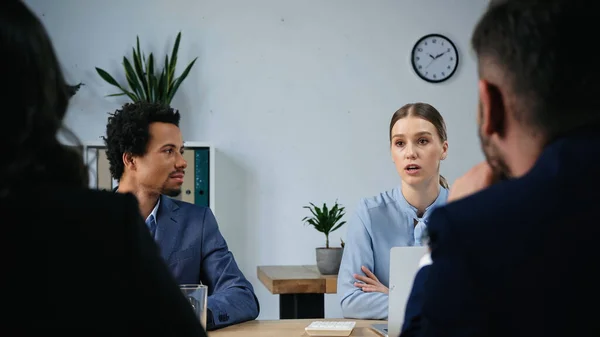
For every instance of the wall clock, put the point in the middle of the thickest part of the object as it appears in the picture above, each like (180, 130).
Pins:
(434, 58)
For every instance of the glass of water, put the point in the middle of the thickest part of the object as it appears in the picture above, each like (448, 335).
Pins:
(197, 295)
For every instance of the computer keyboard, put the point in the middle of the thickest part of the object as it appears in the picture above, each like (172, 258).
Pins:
(330, 328)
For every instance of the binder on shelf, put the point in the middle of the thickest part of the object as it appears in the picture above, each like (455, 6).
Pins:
(188, 191)
(202, 176)
(104, 180)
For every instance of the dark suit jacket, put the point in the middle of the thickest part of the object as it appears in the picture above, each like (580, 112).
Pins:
(195, 250)
(521, 257)
(81, 262)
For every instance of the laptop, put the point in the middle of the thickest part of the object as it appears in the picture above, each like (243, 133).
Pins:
(404, 265)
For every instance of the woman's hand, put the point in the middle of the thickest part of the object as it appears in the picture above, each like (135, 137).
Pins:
(369, 283)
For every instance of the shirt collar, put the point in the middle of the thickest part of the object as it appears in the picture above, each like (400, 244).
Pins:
(154, 211)
(439, 201)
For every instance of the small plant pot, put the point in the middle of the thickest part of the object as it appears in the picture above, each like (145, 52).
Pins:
(329, 260)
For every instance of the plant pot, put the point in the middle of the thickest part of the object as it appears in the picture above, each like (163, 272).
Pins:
(329, 260)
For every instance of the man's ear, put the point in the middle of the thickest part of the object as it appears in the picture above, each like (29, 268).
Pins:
(129, 161)
(492, 109)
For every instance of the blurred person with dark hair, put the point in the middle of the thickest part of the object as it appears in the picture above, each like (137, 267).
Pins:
(76, 260)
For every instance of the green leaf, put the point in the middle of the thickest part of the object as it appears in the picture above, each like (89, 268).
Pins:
(317, 210)
(106, 76)
(112, 81)
(168, 82)
(338, 226)
(150, 75)
(174, 53)
(139, 68)
(132, 96)
(161, 90)
(179, 81)
(155, 92)
(311, 210)
(334, 209)
(132, 79)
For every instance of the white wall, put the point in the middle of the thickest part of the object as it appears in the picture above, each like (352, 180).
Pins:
(295, 95)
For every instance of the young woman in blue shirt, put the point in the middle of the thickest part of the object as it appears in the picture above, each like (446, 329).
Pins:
(398, 217)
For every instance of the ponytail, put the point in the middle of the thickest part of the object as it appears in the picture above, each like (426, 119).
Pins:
(444, 182)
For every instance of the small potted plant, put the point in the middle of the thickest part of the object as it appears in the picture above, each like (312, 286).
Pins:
(326, 221)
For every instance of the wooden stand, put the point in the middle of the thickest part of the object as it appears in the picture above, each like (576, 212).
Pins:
(301, 289)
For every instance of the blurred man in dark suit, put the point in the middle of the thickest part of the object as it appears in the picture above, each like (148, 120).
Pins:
(518, 256)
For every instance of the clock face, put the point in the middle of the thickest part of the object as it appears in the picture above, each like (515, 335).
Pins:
(434, 58)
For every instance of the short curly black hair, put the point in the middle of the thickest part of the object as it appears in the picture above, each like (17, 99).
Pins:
(127, 131)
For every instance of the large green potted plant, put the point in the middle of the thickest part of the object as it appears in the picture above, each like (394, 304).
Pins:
(327, 220)
(144, 81)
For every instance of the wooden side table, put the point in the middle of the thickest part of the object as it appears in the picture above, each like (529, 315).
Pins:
(301, 289)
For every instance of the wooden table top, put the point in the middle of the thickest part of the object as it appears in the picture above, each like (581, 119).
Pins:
(288, 328)
(296, 280)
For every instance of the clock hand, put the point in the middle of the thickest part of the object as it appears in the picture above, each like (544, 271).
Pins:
(431, 56)
(440, 54)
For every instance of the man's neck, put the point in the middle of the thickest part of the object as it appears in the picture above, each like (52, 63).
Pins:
(422, 196)
(146, 199)
(522, 153)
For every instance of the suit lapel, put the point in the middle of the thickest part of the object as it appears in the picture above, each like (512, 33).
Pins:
(169, 230)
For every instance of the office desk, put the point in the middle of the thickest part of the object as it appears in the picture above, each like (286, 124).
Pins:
(301, 289)
(286, 328)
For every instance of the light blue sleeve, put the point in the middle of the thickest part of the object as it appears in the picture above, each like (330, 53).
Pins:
(358, 251)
